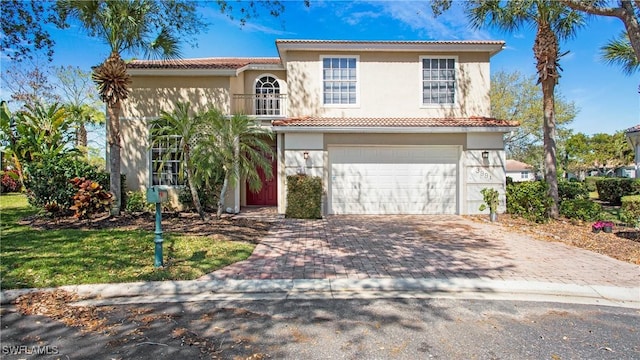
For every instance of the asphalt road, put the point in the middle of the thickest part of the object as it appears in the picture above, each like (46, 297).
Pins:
(334, 329)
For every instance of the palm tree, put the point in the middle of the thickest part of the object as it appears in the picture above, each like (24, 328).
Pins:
(619, 52)
(553, 21)
(149, 26)
(180, 124)
(238, 147)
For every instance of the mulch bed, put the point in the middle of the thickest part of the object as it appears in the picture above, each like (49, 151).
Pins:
(183, 223)
(622, 244)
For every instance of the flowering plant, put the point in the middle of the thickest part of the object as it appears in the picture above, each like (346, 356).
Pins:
(599, 225)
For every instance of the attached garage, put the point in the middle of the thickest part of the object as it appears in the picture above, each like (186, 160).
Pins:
(393, 179)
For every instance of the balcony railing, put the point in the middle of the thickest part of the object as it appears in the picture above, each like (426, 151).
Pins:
(267, 105)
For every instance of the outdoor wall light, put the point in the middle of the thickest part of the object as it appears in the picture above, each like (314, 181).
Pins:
(305, 155)
(485, 155)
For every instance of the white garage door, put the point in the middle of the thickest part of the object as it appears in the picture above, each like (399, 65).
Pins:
(393, 180)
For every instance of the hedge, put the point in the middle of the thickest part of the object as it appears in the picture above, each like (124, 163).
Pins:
(583, 209)
(529, 199)
(591, 182)
(630, 210)
(571, 190)
(304, 197)
(612, 190)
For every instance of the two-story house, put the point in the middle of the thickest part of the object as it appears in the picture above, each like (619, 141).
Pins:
(391, 127)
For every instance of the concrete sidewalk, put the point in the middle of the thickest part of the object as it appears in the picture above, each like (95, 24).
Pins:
(215, 290)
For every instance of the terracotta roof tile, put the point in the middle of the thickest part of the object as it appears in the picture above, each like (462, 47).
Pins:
(474, 121)
(515, 165)
(400, 42)
(633, 129)
(203, 63)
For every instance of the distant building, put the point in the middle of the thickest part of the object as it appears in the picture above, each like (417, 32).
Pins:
(519, 171)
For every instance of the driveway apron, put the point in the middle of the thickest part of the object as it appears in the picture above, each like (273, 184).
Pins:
(361, 247)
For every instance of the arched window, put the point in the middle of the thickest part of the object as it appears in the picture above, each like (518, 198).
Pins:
(267, 96)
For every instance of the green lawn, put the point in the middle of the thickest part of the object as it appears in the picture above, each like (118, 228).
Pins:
(44, 258)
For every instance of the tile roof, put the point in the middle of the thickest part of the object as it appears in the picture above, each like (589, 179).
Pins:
(203, 63)
(400, 42)
(633, 129)
(515, 165)
(474, 121)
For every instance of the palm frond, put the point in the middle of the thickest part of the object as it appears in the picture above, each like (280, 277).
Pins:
(619, 52)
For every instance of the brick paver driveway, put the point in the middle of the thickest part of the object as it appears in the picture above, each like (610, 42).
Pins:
(361, 247)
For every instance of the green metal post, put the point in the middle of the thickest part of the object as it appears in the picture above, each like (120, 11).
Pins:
(158, 238)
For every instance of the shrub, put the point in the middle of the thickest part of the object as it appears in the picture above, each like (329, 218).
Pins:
(208, 197)
(630, 210)
(10, 181)
(136, 201)
(490, 197)
(304, 197)
(530, 200)
(47, 182)
(582, 209)
(90, 199)
(570, 190)
(590, 182)
(613, 189)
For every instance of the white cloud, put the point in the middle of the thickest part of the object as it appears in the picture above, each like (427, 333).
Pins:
(417, 15)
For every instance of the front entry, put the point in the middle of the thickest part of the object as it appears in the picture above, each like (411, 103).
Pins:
(268, 194)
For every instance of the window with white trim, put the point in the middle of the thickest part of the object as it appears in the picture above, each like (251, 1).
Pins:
(524, 174)
(339, 80)
(438, 81)
(267, 96)
(165, 161)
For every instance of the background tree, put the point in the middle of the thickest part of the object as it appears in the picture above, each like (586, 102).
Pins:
(553, 21)
(153, 28)
(24, 32)
(601, 152)
(628, 11)
(81, 100)
(187, 128)
(29, 83)
(515, 96)
(238, 147)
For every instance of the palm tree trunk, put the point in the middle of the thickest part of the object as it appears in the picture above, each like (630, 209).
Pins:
(549, 127)
(192, 187)
(223, 192)
(546, 50)
(113, 139)
(81, 136)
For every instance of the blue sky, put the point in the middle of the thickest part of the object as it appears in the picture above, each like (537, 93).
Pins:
(608, 99)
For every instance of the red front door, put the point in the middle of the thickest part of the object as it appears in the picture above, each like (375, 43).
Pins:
(268, 194)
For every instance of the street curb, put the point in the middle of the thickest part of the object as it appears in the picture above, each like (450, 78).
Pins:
(198, 290)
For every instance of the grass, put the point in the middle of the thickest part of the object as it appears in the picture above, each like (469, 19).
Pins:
(45, 258)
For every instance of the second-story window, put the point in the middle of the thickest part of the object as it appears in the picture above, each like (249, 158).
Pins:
(339, 80)
(438, 81)
(267, 96)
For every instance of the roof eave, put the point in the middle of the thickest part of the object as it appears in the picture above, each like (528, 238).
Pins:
(183, 72)
(395, 130)
(283, 46)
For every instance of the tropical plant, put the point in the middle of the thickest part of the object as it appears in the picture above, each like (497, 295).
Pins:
(150, 26)
(81, 101)
(238, 148)
(90, 198)
(619, 52)
(626, 10)
(553, 22)
(187, 128)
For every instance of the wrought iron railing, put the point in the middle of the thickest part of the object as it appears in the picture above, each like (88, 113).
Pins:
(267, 105)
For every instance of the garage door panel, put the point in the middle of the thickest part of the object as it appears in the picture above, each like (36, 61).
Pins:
(393, 180)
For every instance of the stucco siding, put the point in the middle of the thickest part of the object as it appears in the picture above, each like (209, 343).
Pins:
(135, 152)
(151, 94)
(394, 139)
(483, 173)
(389, 85)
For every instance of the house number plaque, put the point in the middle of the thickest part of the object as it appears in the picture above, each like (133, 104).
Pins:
(481, 173)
